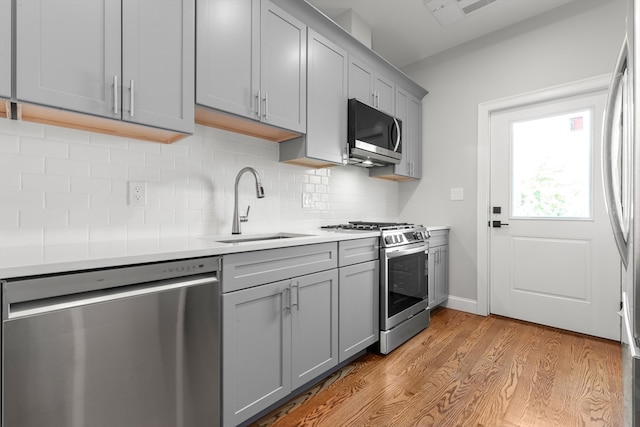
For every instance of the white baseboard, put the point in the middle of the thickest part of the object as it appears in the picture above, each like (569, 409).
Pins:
(462, 304)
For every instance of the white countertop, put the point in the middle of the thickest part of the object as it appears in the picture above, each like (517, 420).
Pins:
(20, 261)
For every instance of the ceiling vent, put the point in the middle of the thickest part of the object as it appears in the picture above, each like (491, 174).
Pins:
(450, 11)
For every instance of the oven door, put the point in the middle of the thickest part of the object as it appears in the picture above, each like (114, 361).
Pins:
(404, 284)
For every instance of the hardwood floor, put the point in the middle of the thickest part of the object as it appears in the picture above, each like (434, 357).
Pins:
(468, 370)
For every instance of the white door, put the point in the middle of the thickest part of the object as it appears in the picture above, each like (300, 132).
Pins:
(553, 260)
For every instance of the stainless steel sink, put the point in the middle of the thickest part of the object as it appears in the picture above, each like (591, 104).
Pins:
(258, 237)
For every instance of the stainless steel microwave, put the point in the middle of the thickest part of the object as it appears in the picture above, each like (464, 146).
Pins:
(374, 137)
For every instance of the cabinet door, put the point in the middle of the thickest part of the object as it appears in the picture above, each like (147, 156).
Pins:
(283, 69)
(5, 48)
(256, 350)
(433, 255)
(314, 323)
(414, 133)
(442, 275)
(327, 99)
(359, 307)
(228, 55)
(68, 54)
(385, 90)
(402, 113)
(361, 81)
(158, 63)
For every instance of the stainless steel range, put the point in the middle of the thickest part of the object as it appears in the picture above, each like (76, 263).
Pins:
(404, 302)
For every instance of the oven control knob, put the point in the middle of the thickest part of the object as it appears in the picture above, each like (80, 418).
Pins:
(388, 239)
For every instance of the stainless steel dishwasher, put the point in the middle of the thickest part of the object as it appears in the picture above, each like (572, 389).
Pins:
(133, 346)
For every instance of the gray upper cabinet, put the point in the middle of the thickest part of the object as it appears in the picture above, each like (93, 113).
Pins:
(371, 87)
(158, 63)
(131, 62)
(251, 62)
(5, 49)
(324, 143)
(409, 110)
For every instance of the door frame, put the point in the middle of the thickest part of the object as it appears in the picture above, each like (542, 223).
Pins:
(485, 109)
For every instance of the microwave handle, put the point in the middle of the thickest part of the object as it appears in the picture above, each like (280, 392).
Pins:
(398, 137)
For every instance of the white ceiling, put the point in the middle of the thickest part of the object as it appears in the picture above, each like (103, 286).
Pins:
(405, 31)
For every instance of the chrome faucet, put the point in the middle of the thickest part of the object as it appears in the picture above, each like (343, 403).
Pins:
(237, 219)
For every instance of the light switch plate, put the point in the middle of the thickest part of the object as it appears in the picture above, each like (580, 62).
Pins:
(457, 194)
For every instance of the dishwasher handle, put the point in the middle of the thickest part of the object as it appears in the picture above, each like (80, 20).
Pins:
(47, 305)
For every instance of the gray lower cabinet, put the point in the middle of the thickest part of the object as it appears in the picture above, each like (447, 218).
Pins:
(324, 143)
(359, 295)
(126, 60)
(438, 267)
(251, 61)
(275, 338)
(359, 307)
(5, 49)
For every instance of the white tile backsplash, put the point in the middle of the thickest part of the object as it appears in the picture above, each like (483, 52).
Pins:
(62, 185)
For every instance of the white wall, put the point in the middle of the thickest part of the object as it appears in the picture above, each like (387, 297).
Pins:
(574, 42)
(61, 185)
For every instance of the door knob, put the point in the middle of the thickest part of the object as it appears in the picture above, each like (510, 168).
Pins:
(498, 224)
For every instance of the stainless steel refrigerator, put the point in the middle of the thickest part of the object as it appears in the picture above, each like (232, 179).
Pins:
(621, 178)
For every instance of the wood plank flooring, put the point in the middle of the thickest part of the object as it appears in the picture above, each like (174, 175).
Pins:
(468, 370)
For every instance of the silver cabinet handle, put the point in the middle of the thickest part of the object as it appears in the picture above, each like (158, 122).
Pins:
(614, 207)
(258, 104)
(132, 94)
(287, 297)
(297, 303)
(115, 94)
(266, 106)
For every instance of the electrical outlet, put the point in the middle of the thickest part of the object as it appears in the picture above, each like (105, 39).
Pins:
(307, 200)
(137, 193)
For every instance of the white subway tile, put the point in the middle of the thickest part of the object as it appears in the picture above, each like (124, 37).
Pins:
(10, 181)
(107, 234)
(129, 158)
(9, 217)
(174, 230)
(109, 141)
(66, 201)
(9, 143)
(143, 231)
(188, 164)
(108, 201)
(45, 183)
(18, 127)
(177, 149)
(144, 146)
(88, 217)
(108, 170)
(189, 216)
(90, 185)
(59, 236)
(159, 216)
(21, 236)
(22, 199)
(43, 218)
(144, 173)
(43, 147)
(58, 133)
(159, 161)
(66, 167)
(89, 153)
(120, 216)
(21, 164)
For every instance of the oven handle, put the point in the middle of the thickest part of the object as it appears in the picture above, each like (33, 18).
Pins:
(395, 253)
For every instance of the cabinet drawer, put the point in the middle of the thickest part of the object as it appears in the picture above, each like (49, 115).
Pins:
(357, 251)
(438, 238)
(243, 270)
